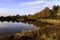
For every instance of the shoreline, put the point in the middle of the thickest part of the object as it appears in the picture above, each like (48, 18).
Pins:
(38, 34)
(46, 33)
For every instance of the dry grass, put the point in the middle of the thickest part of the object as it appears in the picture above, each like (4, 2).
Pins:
(43, 33)
(53, 21)
(49, 33)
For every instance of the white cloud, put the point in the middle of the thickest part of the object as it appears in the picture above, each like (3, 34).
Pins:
(40, 2)
(50, 4)
(30, 6)
(32, 3)
(5, 12)
(2, 10)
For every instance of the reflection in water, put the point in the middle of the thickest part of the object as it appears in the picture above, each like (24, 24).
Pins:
(14, 26)
(38, 23)
(9, 21)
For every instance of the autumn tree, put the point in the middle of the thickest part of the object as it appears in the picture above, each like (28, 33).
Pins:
(54, 11)
(25, 17)
(45, 13)
(58, 11)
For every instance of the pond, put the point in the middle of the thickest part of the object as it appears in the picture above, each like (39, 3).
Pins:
(14, 27)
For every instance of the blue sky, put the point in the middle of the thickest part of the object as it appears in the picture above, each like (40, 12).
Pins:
(24, 7)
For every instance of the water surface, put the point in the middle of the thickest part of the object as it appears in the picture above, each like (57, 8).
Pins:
(13, 27)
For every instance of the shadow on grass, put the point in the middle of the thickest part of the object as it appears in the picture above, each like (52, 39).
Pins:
(25, 38)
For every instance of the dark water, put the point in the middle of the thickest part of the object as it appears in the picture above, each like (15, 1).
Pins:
(13, 27)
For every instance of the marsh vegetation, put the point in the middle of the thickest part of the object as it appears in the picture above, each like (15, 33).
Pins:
(47, 23)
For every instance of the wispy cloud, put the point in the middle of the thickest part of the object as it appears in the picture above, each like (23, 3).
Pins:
(23, 6)
(2, 10)
(41, 2)
(39, 5)
(5, 12)
(50, 4)
(32, 3)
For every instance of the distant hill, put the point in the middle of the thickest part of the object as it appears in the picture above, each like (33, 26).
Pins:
(47, 13)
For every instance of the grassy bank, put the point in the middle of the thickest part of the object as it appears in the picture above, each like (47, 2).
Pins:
(41, 33)
(52, 21)
(45, 33)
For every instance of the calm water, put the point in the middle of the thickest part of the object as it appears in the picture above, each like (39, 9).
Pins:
(13, 27)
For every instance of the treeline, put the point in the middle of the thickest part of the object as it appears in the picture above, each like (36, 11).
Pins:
(53, 13)
(12, 18)
(46, 13)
